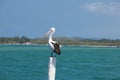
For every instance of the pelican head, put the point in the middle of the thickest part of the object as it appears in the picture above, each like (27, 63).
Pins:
(51, 31)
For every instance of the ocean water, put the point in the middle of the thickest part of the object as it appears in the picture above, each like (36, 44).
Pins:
(30, 62)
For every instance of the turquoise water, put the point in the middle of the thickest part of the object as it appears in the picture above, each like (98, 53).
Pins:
(23, 62)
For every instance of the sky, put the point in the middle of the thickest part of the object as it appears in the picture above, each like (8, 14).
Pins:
(71, 18)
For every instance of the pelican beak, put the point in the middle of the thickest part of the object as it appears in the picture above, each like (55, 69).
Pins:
(48, 33)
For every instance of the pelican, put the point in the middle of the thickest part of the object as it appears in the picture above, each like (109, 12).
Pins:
(53, 44)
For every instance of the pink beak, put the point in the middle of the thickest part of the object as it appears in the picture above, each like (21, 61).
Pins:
(48, 33)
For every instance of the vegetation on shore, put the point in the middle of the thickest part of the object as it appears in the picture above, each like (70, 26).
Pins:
(61, 40)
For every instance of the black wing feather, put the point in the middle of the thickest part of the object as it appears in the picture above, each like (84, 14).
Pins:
(57, 48)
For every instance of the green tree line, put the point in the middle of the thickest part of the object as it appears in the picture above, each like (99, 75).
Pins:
(13, 40)
(61, 40)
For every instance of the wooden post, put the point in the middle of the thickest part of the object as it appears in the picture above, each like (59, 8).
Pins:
(52, 68)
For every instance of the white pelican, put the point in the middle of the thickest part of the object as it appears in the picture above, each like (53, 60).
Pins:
(53, 44)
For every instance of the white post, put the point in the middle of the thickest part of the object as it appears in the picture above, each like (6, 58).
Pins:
(52, 68)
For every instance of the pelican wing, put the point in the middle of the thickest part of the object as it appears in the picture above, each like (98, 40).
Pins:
(56, 48)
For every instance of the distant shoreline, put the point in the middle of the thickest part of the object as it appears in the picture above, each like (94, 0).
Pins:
(65, 45)
(91, 46)
(66, 41)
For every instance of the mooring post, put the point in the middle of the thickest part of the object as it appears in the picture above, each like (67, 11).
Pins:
(52, 68)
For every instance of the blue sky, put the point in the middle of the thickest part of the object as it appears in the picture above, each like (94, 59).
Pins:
(72, 18)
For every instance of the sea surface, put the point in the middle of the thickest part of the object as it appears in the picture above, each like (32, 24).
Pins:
(30, 62)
